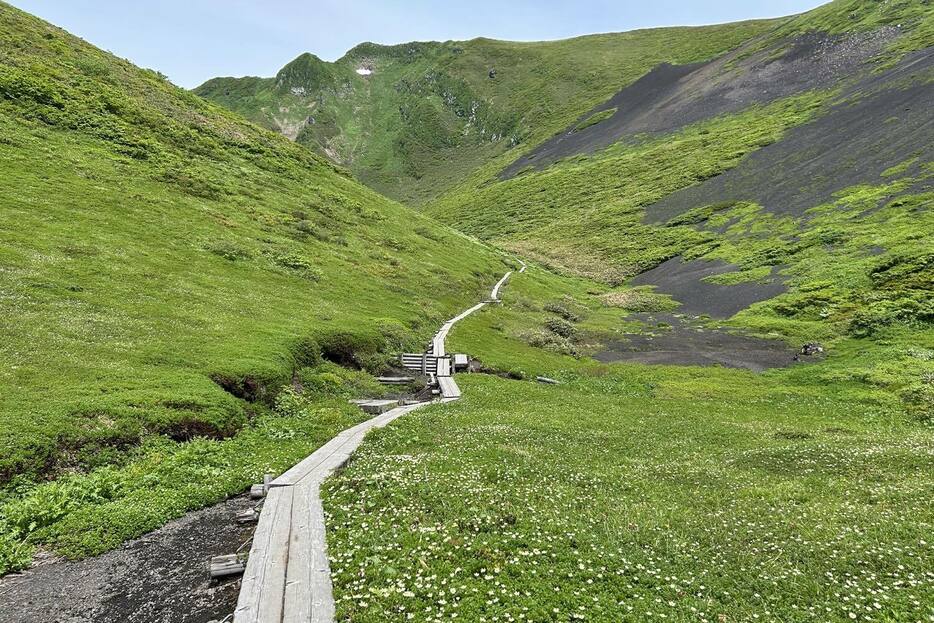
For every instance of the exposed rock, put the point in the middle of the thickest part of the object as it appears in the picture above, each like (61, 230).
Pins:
(812, 348)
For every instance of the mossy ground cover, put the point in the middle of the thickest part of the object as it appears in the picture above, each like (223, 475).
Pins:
(169, 274)
(640, 492)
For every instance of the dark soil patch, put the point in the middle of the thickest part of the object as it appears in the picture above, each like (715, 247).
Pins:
(159, 578)
(683, 281)
(688, 344)
(246, 388)
(671, 97)
(881, 122)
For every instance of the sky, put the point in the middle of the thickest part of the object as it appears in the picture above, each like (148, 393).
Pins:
(191, 41)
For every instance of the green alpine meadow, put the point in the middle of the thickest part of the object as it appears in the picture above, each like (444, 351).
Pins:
(705, 394)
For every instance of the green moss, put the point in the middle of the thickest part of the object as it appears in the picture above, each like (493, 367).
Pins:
(595, 118)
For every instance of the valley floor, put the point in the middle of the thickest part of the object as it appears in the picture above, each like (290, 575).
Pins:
(634, 492)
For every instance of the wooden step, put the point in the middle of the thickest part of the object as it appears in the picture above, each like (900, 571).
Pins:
(377, 407)
(395, 380)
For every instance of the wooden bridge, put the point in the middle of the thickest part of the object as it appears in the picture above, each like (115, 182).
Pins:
(288, 577)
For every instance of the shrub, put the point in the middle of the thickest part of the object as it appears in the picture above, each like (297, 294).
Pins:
(229, 250)
(549, 341)
(15, 554)
(561, 310)
(306, 352)
(19, 85)
(297, 263)
(561, 327)
(359, 351)
(290, 403)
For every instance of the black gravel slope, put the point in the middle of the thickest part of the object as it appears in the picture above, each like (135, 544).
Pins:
(671, 97)
(882, 121)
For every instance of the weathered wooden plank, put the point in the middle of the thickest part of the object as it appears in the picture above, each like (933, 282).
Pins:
(350, 438)
(227, 565)
(297, 598)
(269, 607)
(376, 407)
(322, 595)
(444, 367)
(449, 388)
(298, 471)
(263, 582)
(395, 380)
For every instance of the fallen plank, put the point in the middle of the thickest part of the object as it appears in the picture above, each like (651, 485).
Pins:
(395, 380)
(227, 565)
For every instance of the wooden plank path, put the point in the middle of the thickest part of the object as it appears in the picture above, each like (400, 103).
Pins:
(288, 576)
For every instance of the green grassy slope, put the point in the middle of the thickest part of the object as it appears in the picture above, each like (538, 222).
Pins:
(854, 262)
(430, 112)
(165, 268)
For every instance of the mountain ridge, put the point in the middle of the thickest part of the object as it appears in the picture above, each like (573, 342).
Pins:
(432, 108)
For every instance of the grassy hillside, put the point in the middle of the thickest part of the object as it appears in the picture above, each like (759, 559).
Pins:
(801, 162)
(188, 300)
(429, 113)
(165, 268)
(768, 189)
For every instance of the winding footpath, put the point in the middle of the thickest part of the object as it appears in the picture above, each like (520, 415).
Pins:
(288, 577)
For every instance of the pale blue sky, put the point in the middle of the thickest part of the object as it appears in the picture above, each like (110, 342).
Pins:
(193, 40)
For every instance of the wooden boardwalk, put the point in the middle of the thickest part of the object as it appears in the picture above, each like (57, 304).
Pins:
(288, 577)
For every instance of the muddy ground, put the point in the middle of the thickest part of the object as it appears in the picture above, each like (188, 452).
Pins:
(684, 341)
(159, 578)
(671, 97)
(684, 282)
